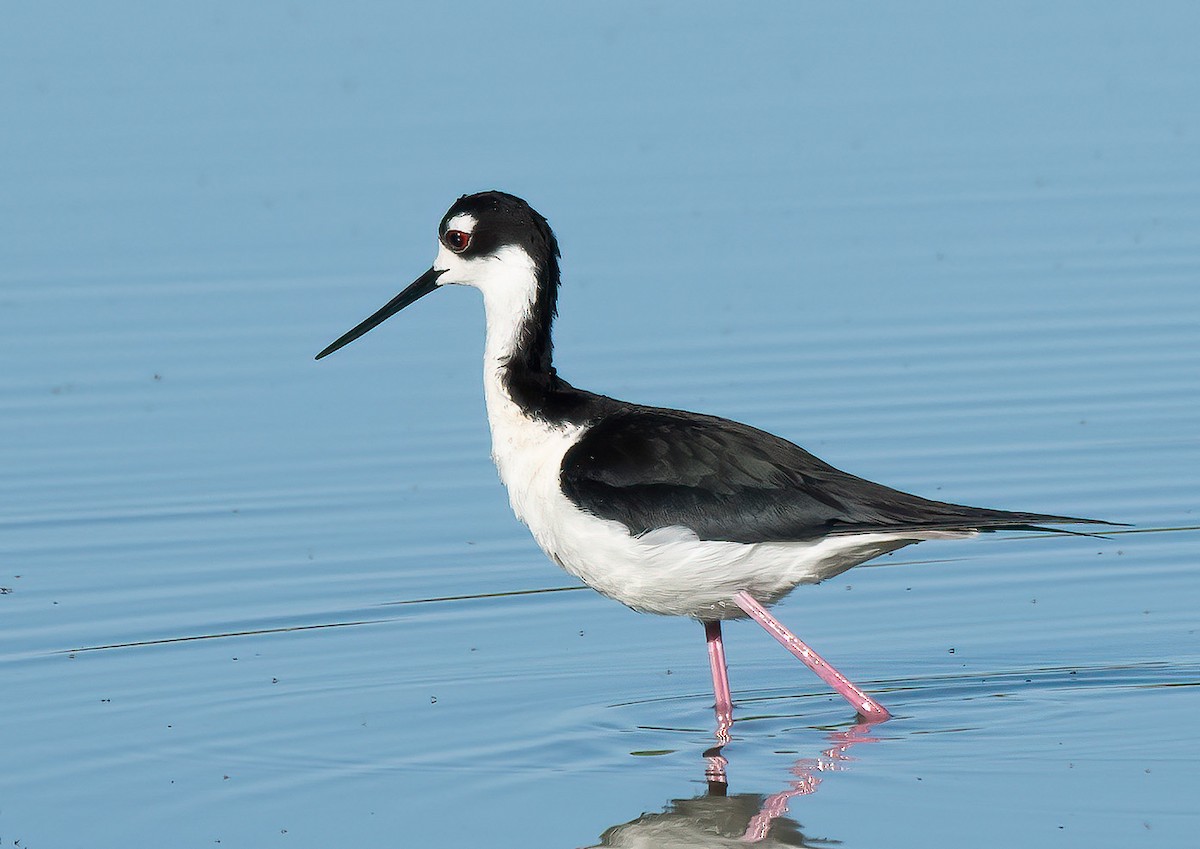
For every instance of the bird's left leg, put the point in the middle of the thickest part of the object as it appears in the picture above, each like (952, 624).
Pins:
(867, 707)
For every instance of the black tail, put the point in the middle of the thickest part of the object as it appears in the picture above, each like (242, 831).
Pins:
(941, 516)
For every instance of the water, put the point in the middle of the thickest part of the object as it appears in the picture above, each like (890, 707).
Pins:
(951, 249)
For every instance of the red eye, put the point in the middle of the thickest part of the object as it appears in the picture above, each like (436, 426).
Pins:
(457, 240)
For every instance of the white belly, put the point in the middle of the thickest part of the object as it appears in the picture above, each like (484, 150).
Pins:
(667, 571)
(670, 571)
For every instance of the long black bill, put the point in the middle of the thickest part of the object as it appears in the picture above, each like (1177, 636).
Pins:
(419, 288)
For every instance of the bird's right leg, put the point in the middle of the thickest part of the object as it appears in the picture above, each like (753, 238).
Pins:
(720, 676)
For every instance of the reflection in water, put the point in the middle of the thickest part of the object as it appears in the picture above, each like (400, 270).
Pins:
(709, 820)
(717, 819)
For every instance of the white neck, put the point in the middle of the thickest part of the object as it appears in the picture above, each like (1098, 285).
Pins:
(509, 289)
(526, 449)
(508, 281)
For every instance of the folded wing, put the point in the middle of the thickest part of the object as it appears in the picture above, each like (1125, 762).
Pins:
(652, 468)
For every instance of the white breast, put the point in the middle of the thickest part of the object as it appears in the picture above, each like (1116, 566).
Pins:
(667, 571)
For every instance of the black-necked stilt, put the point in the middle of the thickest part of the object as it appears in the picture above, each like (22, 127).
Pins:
(663, 510)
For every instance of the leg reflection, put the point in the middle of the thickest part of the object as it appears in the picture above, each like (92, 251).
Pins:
(807, 772)
(718, 819)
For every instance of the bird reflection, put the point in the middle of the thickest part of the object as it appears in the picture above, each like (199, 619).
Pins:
(716, 818)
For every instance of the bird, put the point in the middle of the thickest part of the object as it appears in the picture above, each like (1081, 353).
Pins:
(666, 511)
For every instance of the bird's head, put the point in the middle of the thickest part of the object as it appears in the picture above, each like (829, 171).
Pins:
(495, 242)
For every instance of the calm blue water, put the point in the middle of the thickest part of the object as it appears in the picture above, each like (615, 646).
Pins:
(955, 250)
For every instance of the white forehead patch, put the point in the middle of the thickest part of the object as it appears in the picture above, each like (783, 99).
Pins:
(463, 222)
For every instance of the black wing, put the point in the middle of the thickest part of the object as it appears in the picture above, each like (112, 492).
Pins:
(651, 468)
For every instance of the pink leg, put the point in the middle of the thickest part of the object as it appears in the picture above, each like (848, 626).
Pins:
(867, 708)
(716, 660)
